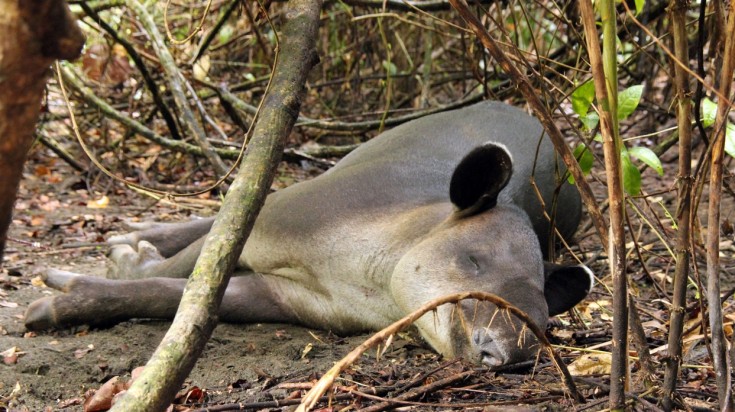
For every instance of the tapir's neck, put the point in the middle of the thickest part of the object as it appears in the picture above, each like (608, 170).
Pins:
(344, 260)
(390, 238)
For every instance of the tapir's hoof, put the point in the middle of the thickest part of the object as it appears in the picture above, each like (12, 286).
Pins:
(139, 226)
(58, 279)
(40, 314)
(129, 239)
(136, 233)
(132, 264)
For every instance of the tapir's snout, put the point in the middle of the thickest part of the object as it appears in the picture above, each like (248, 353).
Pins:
(494, 351)
(492, 337)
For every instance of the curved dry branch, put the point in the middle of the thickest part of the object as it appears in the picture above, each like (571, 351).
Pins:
(237, 103)
(168, 117)
(105, 108)
(407, 5)
(385, 335)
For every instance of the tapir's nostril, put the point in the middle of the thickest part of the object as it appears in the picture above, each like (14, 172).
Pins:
(490, 360)
(490, 354)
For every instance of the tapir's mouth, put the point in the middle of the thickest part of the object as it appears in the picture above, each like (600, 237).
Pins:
(495, 341)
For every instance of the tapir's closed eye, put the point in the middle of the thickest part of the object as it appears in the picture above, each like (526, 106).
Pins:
(474, 262)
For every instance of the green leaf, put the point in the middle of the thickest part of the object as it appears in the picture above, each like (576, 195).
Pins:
(390, 67)
(730, 139)
(225, 33)
(628, 100)
(639, 4)
(709, 112)
(590, 120)
(584, 158)
(631, 175)
(582, 98)
(647, 156)
(598, 138)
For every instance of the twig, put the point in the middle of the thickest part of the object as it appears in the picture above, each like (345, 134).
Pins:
(138, 60)
(212, 34)
(406, 5)
(285, 402)
(175, 82)
(720, 363)
(70, 77)
(543, 115)
(407, 386)
(413, 393)
(55, 147)
(303, 121)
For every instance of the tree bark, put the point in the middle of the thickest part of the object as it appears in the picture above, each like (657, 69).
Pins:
(604, 73)
(196, 317)
(27, 48)
(719, 353)
(678, 10)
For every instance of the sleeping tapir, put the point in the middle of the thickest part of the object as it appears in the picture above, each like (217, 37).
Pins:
(438, 205)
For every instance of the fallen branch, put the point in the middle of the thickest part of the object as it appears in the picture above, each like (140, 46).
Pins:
(196, 317)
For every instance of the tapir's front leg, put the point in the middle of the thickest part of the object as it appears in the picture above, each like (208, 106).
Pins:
(146, 262)
(96, 301)
(157, 249)
(168, 238)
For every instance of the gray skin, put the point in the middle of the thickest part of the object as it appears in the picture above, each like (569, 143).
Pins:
(432, 207)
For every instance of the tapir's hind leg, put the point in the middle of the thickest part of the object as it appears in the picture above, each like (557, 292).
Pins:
(96, 301)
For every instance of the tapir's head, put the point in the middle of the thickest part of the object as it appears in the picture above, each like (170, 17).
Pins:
(490, 247)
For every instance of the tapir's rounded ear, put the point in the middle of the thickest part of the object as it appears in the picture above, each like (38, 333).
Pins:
(479, 178)
(565, 286)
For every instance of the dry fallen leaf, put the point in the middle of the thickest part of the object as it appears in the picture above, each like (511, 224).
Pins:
(192, 395)
(80, 353)
(101, 399)
(38, 220)
(591, 364)
(100, 203)
(306, 350)
(10, 356)
(38, 282)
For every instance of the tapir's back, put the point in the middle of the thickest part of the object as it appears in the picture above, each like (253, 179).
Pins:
(412, 164)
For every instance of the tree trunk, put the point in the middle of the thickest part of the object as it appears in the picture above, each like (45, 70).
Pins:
(27, 48)
(196, 317)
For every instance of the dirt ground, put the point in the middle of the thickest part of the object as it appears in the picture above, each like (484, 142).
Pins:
(267, 367)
